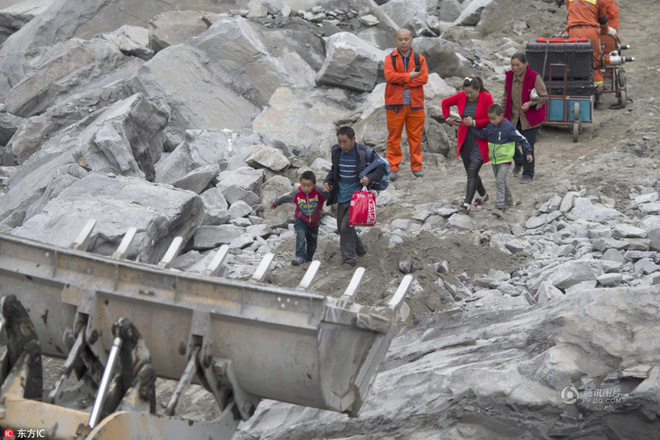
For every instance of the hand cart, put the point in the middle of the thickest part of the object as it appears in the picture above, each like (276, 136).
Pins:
(566, 66)
(571, 110)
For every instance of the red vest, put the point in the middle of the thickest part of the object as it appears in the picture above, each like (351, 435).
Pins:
(534, 116)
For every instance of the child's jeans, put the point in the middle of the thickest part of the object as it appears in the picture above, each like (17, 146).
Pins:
(305, 234)
(503, 197)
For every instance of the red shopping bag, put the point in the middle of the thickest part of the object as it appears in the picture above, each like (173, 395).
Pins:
(363, 208)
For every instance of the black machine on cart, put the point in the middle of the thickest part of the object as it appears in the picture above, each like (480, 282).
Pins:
(566, 66)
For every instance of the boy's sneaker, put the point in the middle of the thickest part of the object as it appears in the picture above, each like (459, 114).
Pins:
(297, 261)
(510, 205)
(394, 175)
(418, 173)
(497, 212)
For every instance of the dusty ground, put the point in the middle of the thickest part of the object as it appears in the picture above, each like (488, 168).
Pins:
(593, 163)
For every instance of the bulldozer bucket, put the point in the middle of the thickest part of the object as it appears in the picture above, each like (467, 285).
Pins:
(242, 340)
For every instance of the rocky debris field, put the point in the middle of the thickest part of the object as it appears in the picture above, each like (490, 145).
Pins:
(188, 118)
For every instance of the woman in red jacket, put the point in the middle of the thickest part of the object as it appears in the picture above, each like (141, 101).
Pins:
(472, 103)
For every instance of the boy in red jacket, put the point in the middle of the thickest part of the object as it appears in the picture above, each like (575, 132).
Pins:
(309, 199)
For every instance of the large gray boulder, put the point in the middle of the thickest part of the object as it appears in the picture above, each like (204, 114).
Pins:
(175, 74)
(37, 129)
(351, 63)
(442, 57)
(407, 13)
(273, 188)
(372, 131)
(66, 19)
(158, 212)
(225, 148)
(449, 10)
(126, 138)
(572, 272)
(131, 40)
(585, 209)
(303, 118)
(66, 69)
(503, 374)
(175, 27)
(236, 54)
(471, 14)
(246, 178)
(437, 139)
(268, 157)
(213, 199)
(15, 16)
(209, 237)
(198, 179)
(9, 124)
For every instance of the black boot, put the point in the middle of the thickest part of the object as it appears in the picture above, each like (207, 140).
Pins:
(598, 101)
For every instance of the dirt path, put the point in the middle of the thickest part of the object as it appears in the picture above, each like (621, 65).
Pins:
(562, 165)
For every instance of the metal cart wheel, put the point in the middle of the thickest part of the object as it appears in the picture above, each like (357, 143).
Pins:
(576, 121)
(622, 79)
(623, 98)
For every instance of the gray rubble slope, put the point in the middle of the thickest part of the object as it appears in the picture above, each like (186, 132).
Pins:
(476, 373)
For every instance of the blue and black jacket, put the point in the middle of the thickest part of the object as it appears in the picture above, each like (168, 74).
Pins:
(502, 141)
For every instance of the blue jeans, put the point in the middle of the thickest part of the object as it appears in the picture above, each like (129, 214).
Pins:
(306, 239)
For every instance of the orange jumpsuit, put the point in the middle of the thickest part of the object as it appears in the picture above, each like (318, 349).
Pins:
(612, 11)
(398, 114)
(585, 17)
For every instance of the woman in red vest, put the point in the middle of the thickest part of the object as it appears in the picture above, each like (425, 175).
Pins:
(472, 103)
(524, 101)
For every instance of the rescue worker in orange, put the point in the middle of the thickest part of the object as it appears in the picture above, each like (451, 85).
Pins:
(607, 43)
(585, 20)
(612, 12)
(404, 103)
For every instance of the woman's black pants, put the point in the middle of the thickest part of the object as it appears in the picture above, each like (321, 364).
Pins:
(474, 184)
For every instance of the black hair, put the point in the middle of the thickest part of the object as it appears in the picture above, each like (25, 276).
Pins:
(475, 83)
(497, 109)
(520, 57)
(308, 175)
(346, 131)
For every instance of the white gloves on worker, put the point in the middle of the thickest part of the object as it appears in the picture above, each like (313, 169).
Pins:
(611, 31)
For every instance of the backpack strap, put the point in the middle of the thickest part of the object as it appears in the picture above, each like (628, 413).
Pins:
(415, 57)
(371, 165)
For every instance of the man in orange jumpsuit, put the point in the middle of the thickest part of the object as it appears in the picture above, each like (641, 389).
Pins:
(612, 12)
(585, 19)
(405, 73)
